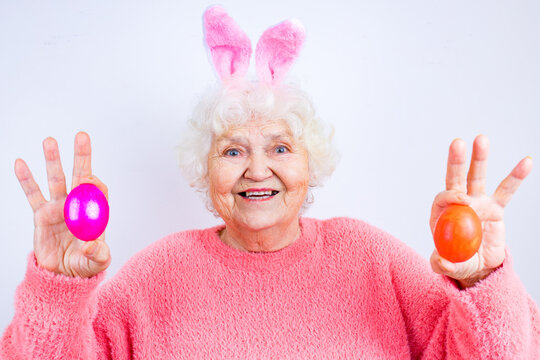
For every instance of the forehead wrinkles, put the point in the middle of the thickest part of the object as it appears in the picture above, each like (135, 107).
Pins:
(270, 131)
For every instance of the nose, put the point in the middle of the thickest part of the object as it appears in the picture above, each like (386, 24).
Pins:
(258, 168)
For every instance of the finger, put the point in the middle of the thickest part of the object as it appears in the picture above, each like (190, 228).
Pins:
(440, 265)
(456, 174)
(476, 178)
(99, 254)
(82, 164)
(442, 201)
(28, 184)
(510, 184)
(94, 180)
(55, 173)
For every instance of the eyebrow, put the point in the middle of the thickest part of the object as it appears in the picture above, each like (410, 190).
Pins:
(232, 139)
(242, 140)
(279, 136)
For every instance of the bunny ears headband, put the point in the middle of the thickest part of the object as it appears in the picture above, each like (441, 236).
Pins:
(230, 47)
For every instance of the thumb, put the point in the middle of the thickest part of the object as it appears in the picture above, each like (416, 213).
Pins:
(440, 265)
(98, 253)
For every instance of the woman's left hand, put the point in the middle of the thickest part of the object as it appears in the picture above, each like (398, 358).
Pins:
(469, 189)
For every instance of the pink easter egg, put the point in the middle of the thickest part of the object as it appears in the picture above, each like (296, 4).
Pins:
(86, 212)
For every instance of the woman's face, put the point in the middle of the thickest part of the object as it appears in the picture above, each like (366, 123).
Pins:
(258, 175)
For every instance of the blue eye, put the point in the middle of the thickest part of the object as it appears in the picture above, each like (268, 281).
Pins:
(281, 149)
(232, 152)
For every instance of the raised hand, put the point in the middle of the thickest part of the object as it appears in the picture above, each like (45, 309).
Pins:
(469, 189)
(56, 249)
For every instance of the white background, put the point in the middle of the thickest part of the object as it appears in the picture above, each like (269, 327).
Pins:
(398, 80)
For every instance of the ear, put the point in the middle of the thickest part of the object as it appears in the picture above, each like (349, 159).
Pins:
(229, 46)
(277, 49)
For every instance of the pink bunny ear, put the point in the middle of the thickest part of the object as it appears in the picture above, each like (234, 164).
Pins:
(229, 45)
(277, 49)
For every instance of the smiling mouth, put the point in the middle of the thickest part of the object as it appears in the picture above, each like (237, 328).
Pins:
(258, 195)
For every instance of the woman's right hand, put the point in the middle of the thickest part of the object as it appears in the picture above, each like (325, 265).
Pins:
(56, 249)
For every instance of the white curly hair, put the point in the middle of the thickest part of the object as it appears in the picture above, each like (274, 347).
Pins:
(235, 103)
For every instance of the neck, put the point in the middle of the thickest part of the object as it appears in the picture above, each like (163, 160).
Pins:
(266, 240)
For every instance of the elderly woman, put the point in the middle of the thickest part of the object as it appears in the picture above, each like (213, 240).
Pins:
(268, 283)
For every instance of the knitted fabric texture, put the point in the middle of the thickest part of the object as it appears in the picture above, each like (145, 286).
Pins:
(343, 290)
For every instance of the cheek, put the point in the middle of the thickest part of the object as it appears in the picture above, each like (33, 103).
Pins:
(296, 178)
(223, 177)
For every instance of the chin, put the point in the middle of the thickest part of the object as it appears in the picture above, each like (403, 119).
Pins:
(260, 221)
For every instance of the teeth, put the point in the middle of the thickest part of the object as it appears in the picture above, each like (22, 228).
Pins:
(259, 194)
(252, 193)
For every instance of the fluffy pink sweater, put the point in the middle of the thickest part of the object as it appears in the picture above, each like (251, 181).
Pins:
(343, 290)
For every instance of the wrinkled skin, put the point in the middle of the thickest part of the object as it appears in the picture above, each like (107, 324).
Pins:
(56, 249)
(254, 156)
(468, 188)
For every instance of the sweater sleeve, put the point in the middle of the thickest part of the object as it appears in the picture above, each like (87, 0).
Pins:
(495, 319)
(54, 317)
